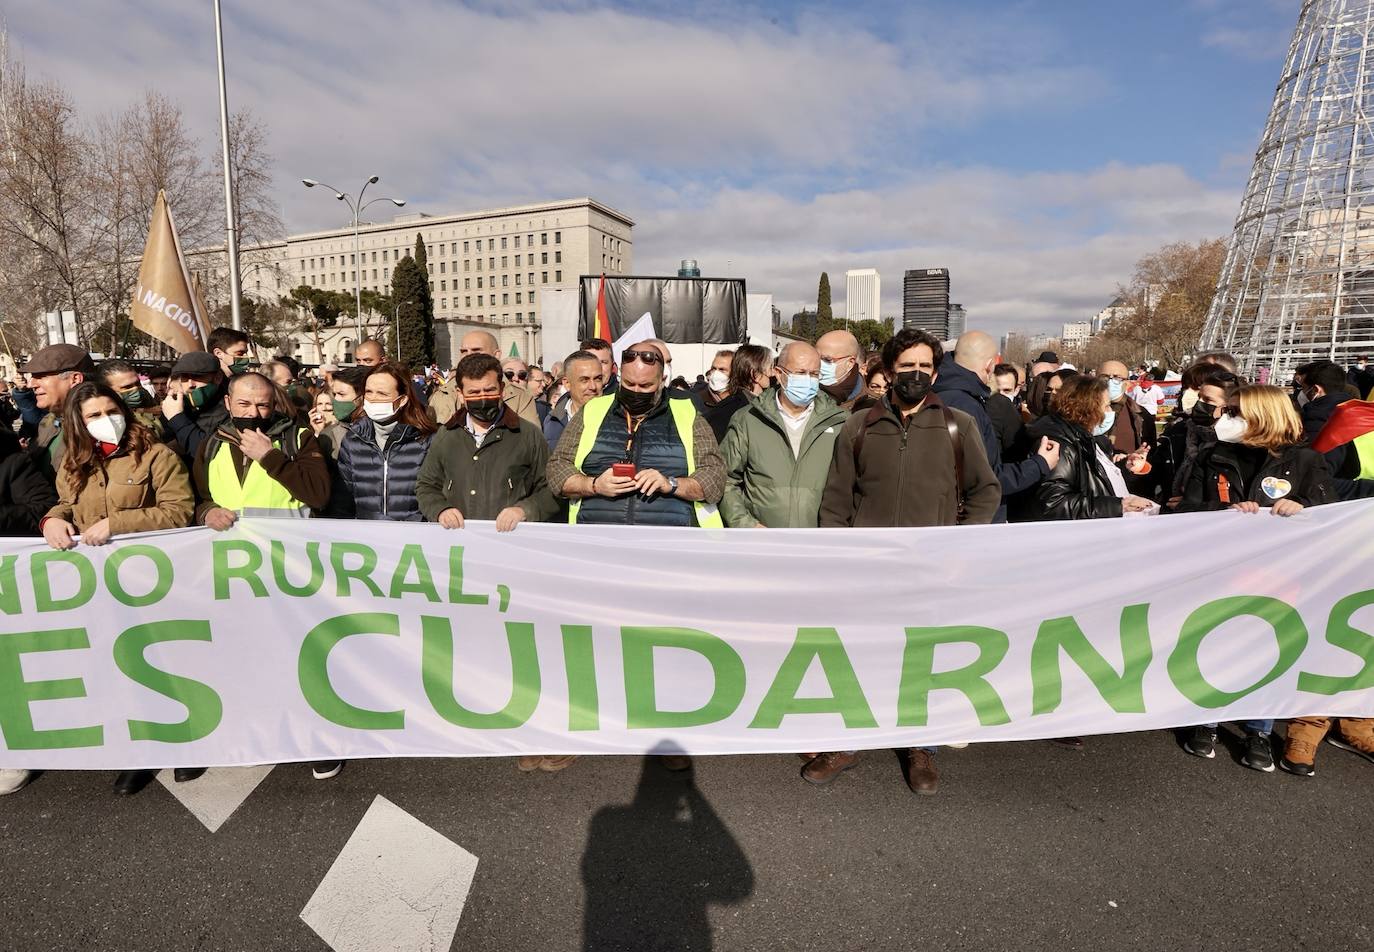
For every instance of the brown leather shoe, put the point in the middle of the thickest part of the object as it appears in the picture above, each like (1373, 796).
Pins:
(555, 764)
(826, 767)
(676, 762)
(808, 757)
(922, 776)
(528, 764)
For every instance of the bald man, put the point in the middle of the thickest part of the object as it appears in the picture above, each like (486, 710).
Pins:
(444, 401)
(964, 384)
(1132, 432)
(370, 353)
(842, 376)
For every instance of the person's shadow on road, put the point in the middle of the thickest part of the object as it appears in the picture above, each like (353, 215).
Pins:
(652, 867)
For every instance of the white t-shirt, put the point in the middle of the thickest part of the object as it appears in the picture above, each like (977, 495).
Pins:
(1113, 473)
(1148, 398)
(795, 425)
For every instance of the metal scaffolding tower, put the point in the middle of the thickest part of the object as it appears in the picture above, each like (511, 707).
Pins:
(1298, 282)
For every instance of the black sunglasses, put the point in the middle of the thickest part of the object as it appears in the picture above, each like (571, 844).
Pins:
(517, 375)
(644, 356)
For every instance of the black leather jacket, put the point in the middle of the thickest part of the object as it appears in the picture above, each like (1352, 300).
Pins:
(1078, 487)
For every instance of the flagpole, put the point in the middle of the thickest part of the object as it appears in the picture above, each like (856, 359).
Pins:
(231, 247)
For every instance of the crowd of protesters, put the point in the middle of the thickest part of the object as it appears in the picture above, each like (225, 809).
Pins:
(819, 435)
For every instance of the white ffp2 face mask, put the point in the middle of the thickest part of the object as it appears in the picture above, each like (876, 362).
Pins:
(1231, 429)
(717, 380)
(108, 429)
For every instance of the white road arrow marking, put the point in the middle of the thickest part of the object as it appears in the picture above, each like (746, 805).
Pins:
(397, 886)
(213, 797)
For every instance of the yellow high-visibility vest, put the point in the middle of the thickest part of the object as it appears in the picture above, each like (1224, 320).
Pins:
(259, 495)
(684, 414)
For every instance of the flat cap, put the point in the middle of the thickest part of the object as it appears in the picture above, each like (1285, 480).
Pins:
(1047, 357)
(59, 357)
(197, 363)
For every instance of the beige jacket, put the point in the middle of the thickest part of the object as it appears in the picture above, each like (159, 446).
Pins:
(444, 402)
(153, 493)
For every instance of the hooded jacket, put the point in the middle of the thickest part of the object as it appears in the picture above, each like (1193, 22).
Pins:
(764, 482)
(961, 389)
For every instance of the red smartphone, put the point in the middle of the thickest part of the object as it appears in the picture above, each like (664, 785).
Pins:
(626, 470)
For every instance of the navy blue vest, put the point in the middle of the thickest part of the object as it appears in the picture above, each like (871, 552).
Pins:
(656, 445)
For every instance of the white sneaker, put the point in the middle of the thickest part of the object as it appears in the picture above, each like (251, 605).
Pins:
(957, 746)
(326, 770)
(12, 781)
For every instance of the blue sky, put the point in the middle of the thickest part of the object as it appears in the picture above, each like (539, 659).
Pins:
(1035, 147)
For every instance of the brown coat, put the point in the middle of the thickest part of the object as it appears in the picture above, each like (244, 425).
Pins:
(905, 472)
(306, 477)
(154, 493)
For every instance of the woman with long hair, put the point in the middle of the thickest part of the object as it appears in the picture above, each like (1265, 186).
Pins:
(1258, 461)
(382, 451)
(116, 479)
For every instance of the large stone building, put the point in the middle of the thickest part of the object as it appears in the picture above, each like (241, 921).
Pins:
(488, 269)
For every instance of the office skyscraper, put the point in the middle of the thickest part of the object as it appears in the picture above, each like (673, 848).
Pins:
(925, 300)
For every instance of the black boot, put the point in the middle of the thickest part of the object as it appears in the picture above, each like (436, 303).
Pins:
(183, 774)
(129, 782)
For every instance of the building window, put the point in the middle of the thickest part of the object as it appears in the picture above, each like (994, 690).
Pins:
(529, 241)
(517, 261)
(503, 244)
(543, 257)
(505, 299)
(544, 238)
(479, 284)
(443, 267)
(491, 264)
(517, 295)
(558, 237)
(517, 241)
(443, 286)
(505, 261)
(467, 284)
(443, 304)
(479, 300)
(465, 247)
(558, 257)
(517, 280)
(374, 257)
(531, 297)
(558, 277)
(467, 264)
(491, 244)
(505, 280)
(543, 277)
(479, 264)
(386, 274)
(374, 274)
(453, 249)
(531, 278)
(467, 300)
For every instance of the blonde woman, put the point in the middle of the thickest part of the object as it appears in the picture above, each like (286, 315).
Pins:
(1258, 462)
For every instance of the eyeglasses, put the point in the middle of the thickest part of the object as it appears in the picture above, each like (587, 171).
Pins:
(800, 373)
(517, 375)
(643, 356)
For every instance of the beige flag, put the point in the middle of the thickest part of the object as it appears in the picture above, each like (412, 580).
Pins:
(165, 305)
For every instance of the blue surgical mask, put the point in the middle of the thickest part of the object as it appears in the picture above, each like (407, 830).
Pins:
(1106, 424)
(828, 375)
(801, 389)
(1115, 388)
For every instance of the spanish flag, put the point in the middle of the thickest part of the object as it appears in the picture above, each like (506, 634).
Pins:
(602, 325)
(1351, 422)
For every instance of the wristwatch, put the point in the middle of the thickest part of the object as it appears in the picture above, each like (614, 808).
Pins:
(672, 485)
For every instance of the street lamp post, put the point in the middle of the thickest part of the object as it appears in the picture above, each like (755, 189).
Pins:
(396, 323)
(356, 206)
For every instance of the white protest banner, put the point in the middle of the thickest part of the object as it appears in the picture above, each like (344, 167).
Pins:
(310, 640)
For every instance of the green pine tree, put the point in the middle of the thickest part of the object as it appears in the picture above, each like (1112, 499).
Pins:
(414, 310)
(824, 319)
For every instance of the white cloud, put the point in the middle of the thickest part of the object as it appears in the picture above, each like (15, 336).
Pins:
(784, 149)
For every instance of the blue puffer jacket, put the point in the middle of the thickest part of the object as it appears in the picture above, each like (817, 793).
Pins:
(380, 486)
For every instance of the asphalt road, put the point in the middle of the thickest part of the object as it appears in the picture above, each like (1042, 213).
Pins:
(1128, 844)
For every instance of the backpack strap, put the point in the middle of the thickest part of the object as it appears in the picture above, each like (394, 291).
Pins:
(956, 440)
(871, 417)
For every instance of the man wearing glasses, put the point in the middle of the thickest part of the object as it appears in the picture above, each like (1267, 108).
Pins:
(53, 372)
(444, 402)
(778, 448)
(638, 456)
